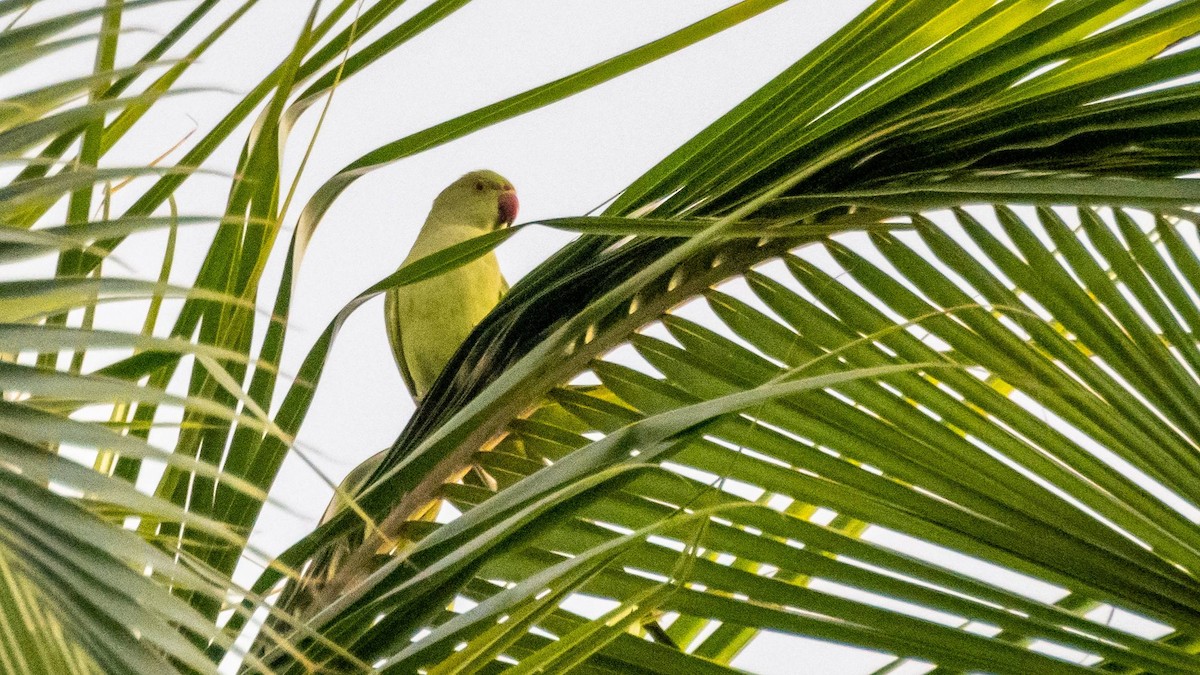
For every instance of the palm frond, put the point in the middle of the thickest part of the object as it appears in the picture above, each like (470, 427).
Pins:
(1021, 400)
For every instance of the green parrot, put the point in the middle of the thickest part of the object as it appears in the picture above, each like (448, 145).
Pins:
(428, 320)
(426, 323)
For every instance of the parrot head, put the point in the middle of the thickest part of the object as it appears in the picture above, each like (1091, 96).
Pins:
(483, 198)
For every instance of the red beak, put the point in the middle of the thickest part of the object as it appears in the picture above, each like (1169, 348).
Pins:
(508, 206)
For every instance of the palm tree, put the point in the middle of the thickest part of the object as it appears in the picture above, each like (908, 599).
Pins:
(913, 320)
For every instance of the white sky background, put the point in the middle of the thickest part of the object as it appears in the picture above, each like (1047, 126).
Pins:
(564, 160)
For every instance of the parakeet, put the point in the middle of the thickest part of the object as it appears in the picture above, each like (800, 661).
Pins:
(428, 320)
(426, 323)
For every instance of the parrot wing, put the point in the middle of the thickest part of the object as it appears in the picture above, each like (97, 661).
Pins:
(391, 317)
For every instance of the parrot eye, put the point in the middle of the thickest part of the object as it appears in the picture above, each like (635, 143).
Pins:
(479, 186)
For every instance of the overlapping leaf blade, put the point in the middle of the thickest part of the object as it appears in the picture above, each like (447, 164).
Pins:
(942, 105)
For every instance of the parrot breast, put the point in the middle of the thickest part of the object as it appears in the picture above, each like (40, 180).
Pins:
(441, 312)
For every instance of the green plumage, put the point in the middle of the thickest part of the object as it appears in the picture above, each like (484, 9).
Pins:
(428, 320)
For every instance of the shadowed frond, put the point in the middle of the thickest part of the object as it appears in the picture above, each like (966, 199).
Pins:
(1019, 402)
